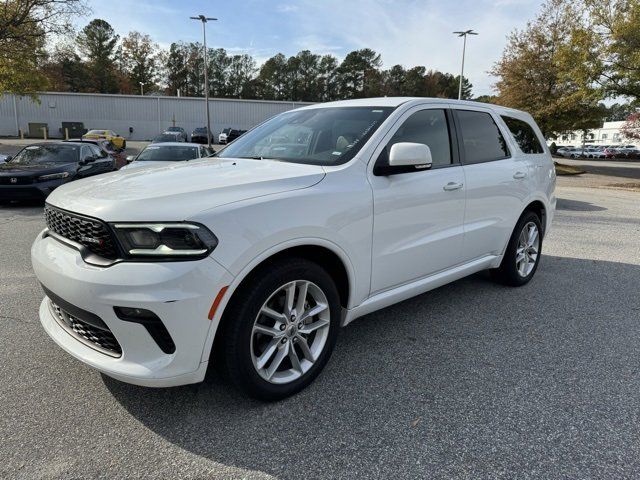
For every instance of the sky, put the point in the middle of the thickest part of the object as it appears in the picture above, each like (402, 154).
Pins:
(405, 32)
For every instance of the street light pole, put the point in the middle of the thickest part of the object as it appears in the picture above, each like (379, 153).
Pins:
(204, 20)
(464, 48)
(141, 88)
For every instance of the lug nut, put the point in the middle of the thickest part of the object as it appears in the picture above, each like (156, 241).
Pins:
(284, 340)
(295, 339)
(282, 327)
(300, 325)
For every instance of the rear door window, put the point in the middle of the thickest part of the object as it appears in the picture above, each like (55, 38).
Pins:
(481, 137)
(524, 135)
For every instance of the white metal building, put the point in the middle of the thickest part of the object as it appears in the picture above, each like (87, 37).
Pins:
(608, 134)
(148, 116)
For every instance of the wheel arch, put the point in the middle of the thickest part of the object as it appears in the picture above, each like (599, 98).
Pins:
(539, 208)
(325, 253)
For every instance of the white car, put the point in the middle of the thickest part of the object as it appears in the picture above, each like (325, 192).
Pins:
(255, 258)
(161, 153)
(573, 153)
(222, 137)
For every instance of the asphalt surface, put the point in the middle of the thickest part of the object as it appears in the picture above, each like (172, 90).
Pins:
(473, 380)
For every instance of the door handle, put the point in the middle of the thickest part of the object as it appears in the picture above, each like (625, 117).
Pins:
(452, 186)
(519, 175)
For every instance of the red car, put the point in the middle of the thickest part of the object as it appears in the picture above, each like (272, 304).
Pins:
(108, 146)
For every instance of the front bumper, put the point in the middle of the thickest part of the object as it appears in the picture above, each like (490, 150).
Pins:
(32, 191)
(179, 293)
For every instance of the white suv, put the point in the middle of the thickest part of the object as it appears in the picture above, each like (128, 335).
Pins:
(257, 257)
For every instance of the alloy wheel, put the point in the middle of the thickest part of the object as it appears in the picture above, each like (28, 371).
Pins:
(290, 332)
(527, 250)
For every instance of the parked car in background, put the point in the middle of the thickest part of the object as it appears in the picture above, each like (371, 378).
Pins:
(222, 138)
(254, 261)
(628, 151)
(610, 152)
(163, 153)
(167, 137)
(594, 151)
(563, 149)
(573, 153)
(233, 134)
(199, 135)
(118, 154)
(36, 170)
(110, 135)
(182, 134)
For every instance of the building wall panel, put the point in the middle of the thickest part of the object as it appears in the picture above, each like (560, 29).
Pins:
(147, 116)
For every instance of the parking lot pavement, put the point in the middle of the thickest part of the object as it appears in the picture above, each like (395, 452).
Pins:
(473, 380)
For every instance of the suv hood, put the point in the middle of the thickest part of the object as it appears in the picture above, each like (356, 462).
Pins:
(181, 189)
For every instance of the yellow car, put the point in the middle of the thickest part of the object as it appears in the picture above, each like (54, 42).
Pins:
(110, 135)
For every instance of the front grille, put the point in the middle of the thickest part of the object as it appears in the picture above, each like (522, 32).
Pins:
(97, 338)
(90, 232)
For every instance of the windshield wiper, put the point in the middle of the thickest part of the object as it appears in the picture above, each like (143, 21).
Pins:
(254, 157)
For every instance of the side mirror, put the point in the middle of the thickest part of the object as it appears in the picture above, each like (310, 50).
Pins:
(130, 158)
(5, 158)
(406, 154)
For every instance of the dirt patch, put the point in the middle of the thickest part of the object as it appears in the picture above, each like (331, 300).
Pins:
(567, 169)
(632, 186)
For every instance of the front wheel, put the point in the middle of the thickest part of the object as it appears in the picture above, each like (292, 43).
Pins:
(280, 328)
(523, 252)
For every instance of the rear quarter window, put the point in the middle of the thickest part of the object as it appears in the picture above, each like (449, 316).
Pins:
(524, 135)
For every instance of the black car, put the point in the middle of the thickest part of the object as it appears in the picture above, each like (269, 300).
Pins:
(168, 137)
(233, 134)
(182, 135)
(36, 170)
(199, 135)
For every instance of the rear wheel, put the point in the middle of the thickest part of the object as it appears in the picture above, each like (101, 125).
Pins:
(280, 329)
(523, 252)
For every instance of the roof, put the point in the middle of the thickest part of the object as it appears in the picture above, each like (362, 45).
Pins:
(397, 101)
(176, 144)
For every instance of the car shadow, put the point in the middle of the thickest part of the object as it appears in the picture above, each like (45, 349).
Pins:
(23, 207)
(448, 382)
(613, 171)
(577, 206)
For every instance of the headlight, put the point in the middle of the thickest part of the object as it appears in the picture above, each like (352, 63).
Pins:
(53, 176)
(165, 240)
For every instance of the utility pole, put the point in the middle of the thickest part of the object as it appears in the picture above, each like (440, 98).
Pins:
(464, 48)
(141, 88)
(204, 20)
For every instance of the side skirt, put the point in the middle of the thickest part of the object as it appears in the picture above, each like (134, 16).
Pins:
(422, 285)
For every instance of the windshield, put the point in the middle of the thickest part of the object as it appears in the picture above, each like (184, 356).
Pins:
(165, 138)
(167, 153)
(54, 153)
(174, 129)
(319, 136)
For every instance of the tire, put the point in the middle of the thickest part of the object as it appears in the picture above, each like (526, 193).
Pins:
(245, 350)
(510, 271)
